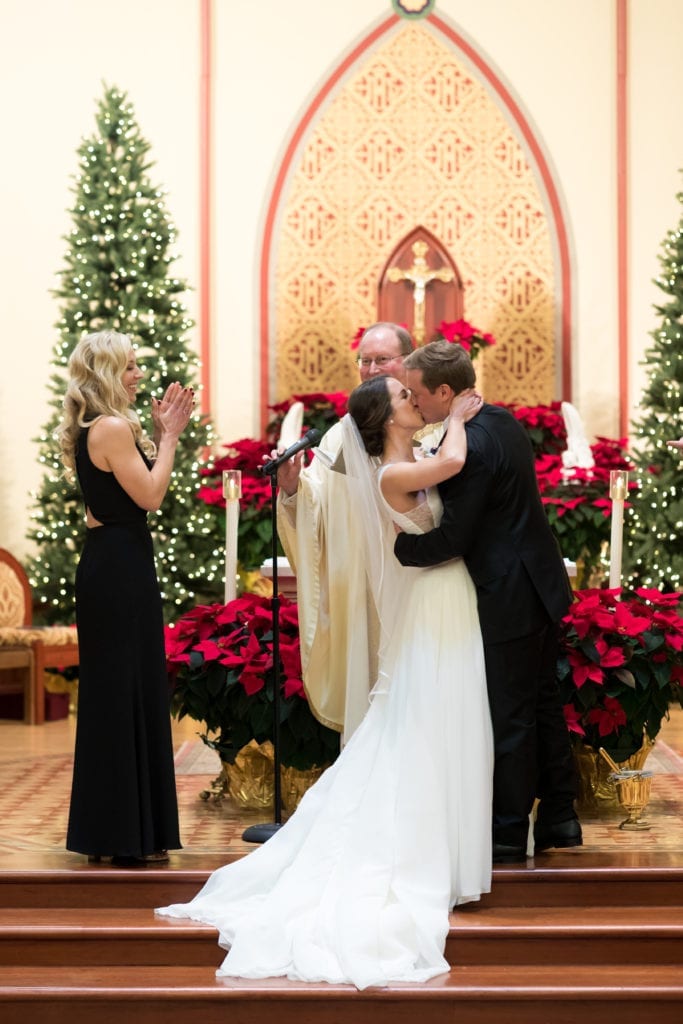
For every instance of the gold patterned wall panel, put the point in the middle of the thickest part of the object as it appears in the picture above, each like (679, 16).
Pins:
(412, 136)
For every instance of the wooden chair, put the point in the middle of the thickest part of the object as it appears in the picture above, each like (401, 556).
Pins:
(27, 650)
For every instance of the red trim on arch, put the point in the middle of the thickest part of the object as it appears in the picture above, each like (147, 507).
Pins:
(534, 147)
(622, 211)
(205, 141)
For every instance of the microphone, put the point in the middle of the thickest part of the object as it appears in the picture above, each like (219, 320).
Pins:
(309, 440)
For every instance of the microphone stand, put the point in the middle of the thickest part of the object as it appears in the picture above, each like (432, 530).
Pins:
(261, 833)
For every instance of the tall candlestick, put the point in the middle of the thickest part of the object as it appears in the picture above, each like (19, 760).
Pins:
(618, 489)
(232, 492)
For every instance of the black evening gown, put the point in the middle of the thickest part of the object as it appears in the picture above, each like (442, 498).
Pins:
(123, 797)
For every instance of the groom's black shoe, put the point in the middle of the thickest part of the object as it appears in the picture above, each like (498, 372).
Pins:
(503, 854)
(560, 835)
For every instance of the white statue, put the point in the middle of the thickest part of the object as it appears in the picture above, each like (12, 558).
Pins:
(578, 453)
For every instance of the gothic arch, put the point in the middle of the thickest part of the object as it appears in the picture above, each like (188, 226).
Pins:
(414, 127)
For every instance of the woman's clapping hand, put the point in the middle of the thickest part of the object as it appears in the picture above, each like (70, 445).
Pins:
(172, 413)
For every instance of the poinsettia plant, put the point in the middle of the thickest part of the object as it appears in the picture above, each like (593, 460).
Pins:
(620, 666)
(577, 501)
(220, 660)
(462, 332)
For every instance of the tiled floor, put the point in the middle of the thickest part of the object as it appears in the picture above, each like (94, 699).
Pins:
(35, 777)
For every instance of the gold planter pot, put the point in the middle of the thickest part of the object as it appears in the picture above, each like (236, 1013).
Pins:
(596, 786)
(633, 794)
(250, 783)
(250, 777)
(295, 782)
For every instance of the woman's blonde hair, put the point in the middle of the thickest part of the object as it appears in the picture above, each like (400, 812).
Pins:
(95, 389)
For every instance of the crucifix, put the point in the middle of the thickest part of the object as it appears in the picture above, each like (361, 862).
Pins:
(419, 275)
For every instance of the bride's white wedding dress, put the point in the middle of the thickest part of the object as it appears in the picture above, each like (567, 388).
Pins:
(357, 885)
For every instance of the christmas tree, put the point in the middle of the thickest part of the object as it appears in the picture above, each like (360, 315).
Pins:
(653, 546)
(117, 274)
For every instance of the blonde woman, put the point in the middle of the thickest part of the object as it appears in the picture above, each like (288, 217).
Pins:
(123, 798)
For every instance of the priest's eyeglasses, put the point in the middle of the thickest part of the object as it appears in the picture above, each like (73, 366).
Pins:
(379, 361)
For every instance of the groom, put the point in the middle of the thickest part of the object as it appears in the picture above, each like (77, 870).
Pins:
(493, 518)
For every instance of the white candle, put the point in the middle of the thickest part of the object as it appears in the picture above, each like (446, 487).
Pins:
(618, 488)
(232, 492)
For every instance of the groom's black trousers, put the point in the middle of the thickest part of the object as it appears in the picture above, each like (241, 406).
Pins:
(531, 741)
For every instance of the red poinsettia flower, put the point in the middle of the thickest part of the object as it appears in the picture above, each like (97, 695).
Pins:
(289, 616)
(547, 417)
(290, 655)
(294, 688)
(211, 495)
(573, 719)
(605, 506)
(176, 647)
(256, 663)
(202, 620)
(252, 682)
(339, 401)
(607, 718)
(623, 620)
(583, 669)
(256, 493)
(657, 598)
(236, 610)
(461, 332)
(548, 471)
(209, 649)
(610, 657)
(568, 505)
(674, 640)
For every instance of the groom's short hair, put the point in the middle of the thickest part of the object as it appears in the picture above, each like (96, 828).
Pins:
(442, 362)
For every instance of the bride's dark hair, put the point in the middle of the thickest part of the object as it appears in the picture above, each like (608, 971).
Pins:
(370, 407)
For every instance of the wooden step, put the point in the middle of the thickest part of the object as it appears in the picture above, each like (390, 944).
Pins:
(575, 880)
(558, 935)
(469, 995)
(100, 887)
(104, 937)
(526, 936)
(568, 880)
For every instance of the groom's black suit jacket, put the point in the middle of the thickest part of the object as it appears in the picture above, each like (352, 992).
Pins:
(494, 518)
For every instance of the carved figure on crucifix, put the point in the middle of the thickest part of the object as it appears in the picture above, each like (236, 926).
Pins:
(419, 275)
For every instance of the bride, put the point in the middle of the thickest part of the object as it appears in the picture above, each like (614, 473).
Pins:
(357, 885)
